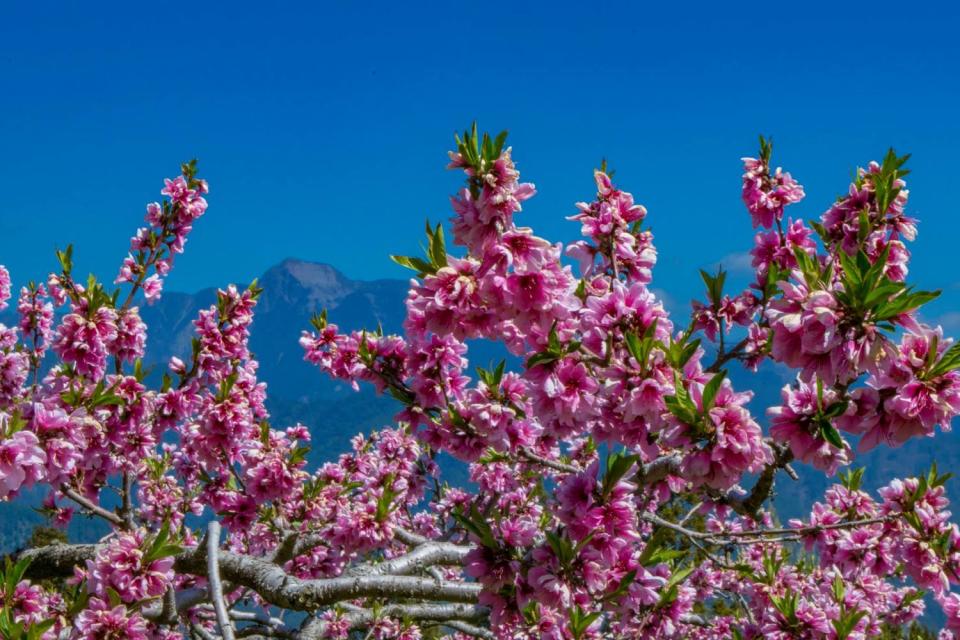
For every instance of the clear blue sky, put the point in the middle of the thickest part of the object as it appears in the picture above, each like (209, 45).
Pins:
(323, 127)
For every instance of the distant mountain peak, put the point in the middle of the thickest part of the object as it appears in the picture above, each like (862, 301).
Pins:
(312, 274)
(315, 283)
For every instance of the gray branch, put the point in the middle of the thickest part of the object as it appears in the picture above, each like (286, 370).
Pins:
(425, 555)
(448, 615)
(213, 577)
(271, 582)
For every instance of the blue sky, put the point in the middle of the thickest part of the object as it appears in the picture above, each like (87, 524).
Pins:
(323, 127)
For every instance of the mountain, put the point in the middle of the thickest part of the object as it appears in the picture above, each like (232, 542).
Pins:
(296, 289)
(293, 291)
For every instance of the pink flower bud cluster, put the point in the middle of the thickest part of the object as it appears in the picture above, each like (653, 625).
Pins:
(122, 568)
(766, 194)
(4, 287)
(611, 223)
(152, 249)
(36, 320)
(21, 460)
(842, 220)
(14, 366)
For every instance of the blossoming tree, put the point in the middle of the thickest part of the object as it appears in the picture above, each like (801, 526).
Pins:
(620, 486)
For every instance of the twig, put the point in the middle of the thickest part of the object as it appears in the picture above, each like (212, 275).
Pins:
(126, 511)
(529, 455)
(757, 536)
(811, 528)
(95, 509)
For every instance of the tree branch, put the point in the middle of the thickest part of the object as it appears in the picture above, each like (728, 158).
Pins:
(425, 555)
(447, 615)
(213, 577)
(657, 470)
(530, 456)
(95, 509)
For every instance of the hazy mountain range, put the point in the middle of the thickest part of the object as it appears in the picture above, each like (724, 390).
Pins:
(298, 392)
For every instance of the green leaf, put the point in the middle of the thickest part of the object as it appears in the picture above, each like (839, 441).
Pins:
(14, 573)
(714, 284)
(385, 501)
(852, 277)
(618, 464)
(634, 346)
(66, 259)
(831, 435)
(680, 410)
(498, 373)
(654, 544)
(711, 389)
(622, 588)
(499, 143)
(541, 359)
(299, 455)
(865, 227)
(949, 361)
(422, 267)
(477, 525)
(839, 588)
(665, 555)
(852, 479)
(580, 621)
(562, 548)
(809, 267)
(438, 250)
(669, 591)
(836, 409)
(908, 300)
(553, 340)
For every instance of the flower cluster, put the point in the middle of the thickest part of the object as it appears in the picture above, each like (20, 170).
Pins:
(36, 320)
(612, 224)
(803, 422)
(765, 193)
(126, 567)
(21, 460)
(14, 366)
(152, 249)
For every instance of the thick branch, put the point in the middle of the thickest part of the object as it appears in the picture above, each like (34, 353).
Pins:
(270, 581)
(279, 588)
(657, 470)
(425, 555)
(409, 537)
(57, 560)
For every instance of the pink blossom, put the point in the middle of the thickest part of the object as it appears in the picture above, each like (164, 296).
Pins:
(120, 566)
(21, 461)
(152, 287)
(4, 287)
(794, 422)
(767, 194)
(100, 622)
